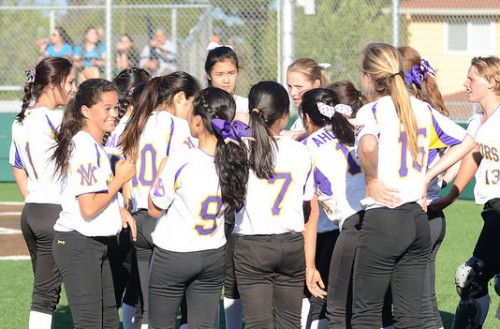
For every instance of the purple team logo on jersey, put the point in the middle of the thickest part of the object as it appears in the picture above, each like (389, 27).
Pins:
(159, 190)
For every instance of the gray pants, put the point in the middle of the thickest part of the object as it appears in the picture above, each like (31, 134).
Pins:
(83, 262)
(37, 225)
(393, 250)
(270, 270)
(199, 275)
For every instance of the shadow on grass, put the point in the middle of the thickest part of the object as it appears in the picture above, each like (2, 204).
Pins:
(62, 317)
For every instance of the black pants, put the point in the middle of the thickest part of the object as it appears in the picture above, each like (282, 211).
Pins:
(339, 298)
(393, 250)
(488, 245)
(37, 225)
(430, 311)
(197, 275)
(270, 270)
(120, 258)
(143, 252)
(325, 243)
(83, 262)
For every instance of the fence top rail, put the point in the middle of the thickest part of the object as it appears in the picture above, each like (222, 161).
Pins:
(103, 6)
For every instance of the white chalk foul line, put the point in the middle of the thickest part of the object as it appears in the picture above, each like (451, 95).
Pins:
(5, 230)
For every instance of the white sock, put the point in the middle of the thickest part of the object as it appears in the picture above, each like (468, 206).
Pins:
(39, 320)
(144, 326)
(184, 326)
(305, 320)
(233, 311)
(128, 315)
(319, 324)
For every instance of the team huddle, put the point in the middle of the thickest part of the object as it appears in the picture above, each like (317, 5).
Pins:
(157, 196)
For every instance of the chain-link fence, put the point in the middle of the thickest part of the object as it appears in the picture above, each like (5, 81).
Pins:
(447, 33)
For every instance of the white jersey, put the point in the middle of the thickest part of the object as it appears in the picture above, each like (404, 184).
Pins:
(162, 136)
(31, 149)
(395, 165)
(89, 171)
(338, 175)
(488, 174)
(188, 189)
(241, 104)
(274, 206)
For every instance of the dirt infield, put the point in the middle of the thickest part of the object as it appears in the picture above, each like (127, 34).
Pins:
(11, 242)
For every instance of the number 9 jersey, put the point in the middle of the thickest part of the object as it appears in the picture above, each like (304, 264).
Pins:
(188, 189)
(396, 168)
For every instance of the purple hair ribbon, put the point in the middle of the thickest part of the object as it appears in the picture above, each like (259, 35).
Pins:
(231, 131)
(426, 68)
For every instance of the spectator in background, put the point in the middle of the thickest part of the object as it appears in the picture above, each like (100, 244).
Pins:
(90, 56)
(159, 57)
(59, 44)
(126, 55)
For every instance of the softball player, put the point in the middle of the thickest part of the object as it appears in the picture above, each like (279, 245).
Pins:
(91, 217)
(196, 187)
(395, 240)
(50, 84)
(222, 69)
(302, 75)
(420, 77)
(151, 134)
(271, 222)
(472, 277)
(129, 84)
(341, 187)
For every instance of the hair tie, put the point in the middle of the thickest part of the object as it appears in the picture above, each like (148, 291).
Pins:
(212, 45)
(413, 76)
(256, 110)
(328, 110)
(231, 132)
(131, 91)
(400, 73)
(30, 74)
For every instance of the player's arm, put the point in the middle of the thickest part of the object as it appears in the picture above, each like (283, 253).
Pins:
(21, 178)
(93, 203)
(375, 188)
(313, 277)
(468, 168)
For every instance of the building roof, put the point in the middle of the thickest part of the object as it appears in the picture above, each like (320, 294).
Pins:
(450, 7)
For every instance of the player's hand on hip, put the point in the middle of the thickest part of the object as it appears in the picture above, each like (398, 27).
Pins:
(125, 169)
(383, 194)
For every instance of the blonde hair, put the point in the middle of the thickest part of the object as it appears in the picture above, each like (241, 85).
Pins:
(310, 69)
(383, 63)
(489, 68)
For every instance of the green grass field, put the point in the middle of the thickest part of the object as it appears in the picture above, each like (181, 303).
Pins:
(463, 226)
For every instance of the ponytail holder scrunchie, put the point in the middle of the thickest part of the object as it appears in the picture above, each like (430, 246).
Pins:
(30, 74)
(414, 76)
(328, 110)
(231, 132)
(256, 110)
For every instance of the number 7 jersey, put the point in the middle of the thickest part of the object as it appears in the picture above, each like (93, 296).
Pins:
(396, 168)
(274, 206)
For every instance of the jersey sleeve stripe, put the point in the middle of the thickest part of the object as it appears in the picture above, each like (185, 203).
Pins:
(169, 139)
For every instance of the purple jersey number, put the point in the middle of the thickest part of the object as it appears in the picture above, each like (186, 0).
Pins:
(352, 166)
(403, 170)
(148, 165)
(210, 209)
(287, 179)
